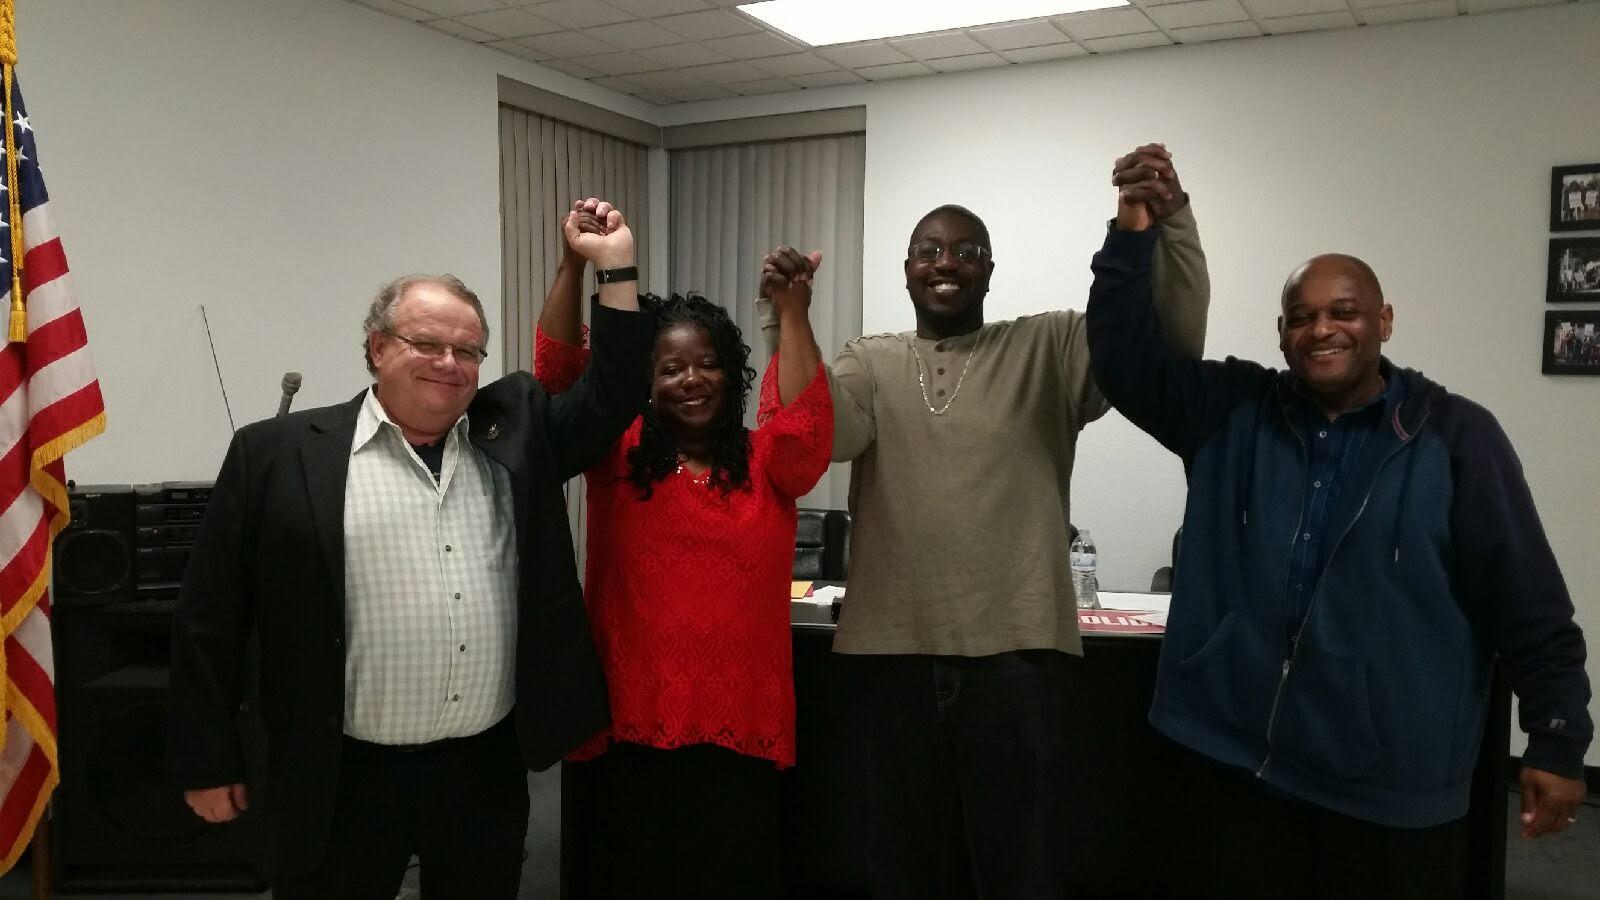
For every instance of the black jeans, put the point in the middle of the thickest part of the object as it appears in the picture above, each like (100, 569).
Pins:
(699, 822)
(968, 783)
(1257, 844)
(461, 806)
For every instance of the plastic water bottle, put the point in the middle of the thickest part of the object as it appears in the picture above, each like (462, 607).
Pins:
(1084, 582)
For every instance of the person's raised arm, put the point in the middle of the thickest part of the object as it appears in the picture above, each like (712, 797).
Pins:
(1181, 282)
(561, 318)
(786, 279)
(610, 251)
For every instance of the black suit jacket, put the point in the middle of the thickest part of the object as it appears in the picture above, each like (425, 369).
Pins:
(270, 555)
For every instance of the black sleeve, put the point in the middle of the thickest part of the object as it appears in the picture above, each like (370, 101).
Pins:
(1175, 399)
(586, 419)
(209, 631)
(1505, 565)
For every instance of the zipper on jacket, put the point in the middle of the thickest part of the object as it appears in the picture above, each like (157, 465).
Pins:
(1288, 663)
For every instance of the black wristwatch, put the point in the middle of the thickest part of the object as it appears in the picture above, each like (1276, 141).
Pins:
(620, 273)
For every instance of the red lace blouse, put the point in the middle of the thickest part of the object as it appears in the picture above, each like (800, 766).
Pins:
(688, 592)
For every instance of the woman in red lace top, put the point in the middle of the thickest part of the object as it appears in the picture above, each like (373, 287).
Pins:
(690, 557)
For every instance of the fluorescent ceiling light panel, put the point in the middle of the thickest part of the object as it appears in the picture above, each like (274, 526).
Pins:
(823, 22)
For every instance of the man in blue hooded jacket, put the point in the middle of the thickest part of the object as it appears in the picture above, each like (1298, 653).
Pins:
(1359, 545)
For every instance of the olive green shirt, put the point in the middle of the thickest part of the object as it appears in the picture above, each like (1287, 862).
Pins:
(958, 544)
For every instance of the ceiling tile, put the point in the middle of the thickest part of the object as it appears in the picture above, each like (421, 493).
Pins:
(854, 56)
(727, 73)
(1039, 54)
(580, 13)
(668, 80)
(934, 46)
(657, 99)
(396, 8)
(566, 44)
(520, 51)
(1018, 34)
(1384, 15)
(617, 83)
(637, 35)
(1199, 12)
(1127, 42)
(704, 92)
(1224, 32)
(571, 68)
(646, 9)
(963, 63)
(752, 46)
(893, 70)
(509, 23)
(616, 63)
(455, 7)
(1487, 5)
(765, 86)
(794, 64)
(678, 56)
(713, 23)
(1276, 8)
(826, 79)
(1313, 22)
(465, 32)
(1106, 23)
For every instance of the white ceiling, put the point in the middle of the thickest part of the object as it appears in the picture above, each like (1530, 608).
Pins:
(675, 51)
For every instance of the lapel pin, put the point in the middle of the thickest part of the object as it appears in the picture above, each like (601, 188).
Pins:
(494, 432)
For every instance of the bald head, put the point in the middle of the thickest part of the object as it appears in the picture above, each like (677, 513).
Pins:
(1334, 265)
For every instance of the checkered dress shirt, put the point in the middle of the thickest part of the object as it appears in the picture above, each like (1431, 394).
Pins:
(430, 578)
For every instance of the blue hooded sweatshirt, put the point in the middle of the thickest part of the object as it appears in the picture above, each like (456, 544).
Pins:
(1439, 565)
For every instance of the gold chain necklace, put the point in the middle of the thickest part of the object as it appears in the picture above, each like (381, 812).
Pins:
(922, 381)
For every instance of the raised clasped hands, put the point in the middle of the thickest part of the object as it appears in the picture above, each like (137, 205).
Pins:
(1147, 186)
(786, 276)
(597, 231)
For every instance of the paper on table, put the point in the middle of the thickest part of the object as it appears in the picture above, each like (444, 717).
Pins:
(826, 595)
(799, 590)
(1134, 601)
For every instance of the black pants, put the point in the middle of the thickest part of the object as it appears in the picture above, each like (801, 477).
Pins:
(1256, 844)
(461, 806)
(969, 787)
(697, 822)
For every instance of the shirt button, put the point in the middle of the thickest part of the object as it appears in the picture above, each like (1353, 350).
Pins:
(463, 648)
(447, 548)
(1307, 535)
(454, 697)
(939, 347)
(458, 595)
(1322, 434)
(1316, 484)
(939, 392)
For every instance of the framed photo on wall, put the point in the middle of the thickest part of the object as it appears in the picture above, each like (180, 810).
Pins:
(1572, 342)
(1574, 273)
(1575, 197)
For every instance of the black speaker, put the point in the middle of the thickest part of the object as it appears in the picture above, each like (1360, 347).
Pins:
(94, 554)
(118, 824)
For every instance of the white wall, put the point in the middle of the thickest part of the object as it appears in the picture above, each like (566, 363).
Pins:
(276, 161)
(1424, 148)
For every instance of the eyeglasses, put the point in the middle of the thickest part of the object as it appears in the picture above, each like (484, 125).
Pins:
(465, 355)
(965, 251)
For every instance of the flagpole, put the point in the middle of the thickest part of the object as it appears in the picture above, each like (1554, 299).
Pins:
(8, 59)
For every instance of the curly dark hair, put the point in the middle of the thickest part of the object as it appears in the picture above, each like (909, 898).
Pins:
(656, 456)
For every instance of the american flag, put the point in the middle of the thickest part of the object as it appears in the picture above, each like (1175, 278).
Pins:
(49, 403)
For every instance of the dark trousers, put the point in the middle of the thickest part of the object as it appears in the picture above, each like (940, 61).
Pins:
(968, 782)
(1257, 844)
(697, 822)
(461, 806)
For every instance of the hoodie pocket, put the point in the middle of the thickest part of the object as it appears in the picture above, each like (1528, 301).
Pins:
(1326, 719)
(1229, 679)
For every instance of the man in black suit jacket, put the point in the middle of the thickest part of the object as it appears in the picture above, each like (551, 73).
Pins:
(304, 541)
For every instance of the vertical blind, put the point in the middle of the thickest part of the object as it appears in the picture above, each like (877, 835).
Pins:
(732, 204)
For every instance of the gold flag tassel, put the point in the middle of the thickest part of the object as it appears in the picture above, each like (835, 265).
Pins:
(8, 59)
